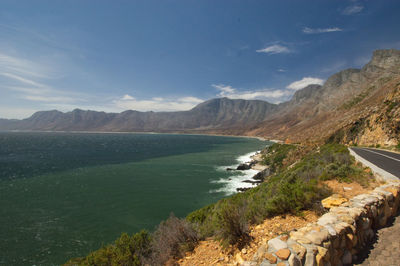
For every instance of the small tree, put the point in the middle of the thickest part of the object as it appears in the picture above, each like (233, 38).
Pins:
(172, 238)
(234, 228)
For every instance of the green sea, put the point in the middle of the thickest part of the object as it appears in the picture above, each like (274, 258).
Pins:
(63, 195)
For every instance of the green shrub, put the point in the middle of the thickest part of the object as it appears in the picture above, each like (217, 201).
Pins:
(127, 250)
(233, 226)
(172, 238)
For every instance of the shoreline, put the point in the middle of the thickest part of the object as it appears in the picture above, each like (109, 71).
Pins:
(250, 180)
(251, 174)
(137, 132)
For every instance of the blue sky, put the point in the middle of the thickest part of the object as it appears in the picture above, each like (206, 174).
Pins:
(171, 55)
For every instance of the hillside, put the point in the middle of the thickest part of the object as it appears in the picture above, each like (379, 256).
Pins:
(367, 98)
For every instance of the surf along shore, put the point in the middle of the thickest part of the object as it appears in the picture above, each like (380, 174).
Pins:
(289, 198)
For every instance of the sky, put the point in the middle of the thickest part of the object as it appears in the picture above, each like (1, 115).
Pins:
(172, 55)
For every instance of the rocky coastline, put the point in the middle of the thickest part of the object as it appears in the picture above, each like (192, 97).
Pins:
(255, 164)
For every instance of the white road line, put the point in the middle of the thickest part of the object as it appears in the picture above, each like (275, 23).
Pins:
(382, 155)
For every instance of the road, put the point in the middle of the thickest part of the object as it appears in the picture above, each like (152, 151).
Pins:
(386, 160)
(385, 251)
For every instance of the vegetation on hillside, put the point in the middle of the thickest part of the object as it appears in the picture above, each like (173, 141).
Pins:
(275, 155)
(295, 186)
(357, 99)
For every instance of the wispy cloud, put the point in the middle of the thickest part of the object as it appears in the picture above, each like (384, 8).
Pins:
(353, 9)
(29, 81)
(20, 66)
(304, 82)
(39, 98)
(308, 30)
(271, 95)
(157, 104)
(274, 49)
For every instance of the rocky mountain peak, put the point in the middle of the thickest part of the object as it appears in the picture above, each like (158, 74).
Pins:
(341, 77)
(382, 60)
(305, 93)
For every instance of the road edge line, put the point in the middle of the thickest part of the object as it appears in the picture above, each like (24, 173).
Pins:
(381, 174)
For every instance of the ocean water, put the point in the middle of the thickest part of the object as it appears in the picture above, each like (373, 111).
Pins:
(63, 195)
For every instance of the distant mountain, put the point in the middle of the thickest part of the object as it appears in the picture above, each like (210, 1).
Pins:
(216, 114)
(353, 106)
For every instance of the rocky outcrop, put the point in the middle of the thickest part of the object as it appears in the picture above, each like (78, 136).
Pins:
(380, 126)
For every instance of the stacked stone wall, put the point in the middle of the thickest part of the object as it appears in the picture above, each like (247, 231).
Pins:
(339, 236)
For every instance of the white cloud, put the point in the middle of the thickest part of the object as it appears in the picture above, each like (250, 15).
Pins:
(271, 95)
(158, 99)
(281, 70)
(224, 88)
(304, 82)
(354, 9)
(127, 97)
(38, 98)
(316, 31)
(274, 49)
(191, 100)
(156, 104)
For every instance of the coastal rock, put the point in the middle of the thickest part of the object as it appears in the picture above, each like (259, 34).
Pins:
(243, 166)
(252, 181)
(262, 174)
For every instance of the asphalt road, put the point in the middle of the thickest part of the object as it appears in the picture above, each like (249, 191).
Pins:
(386, 160)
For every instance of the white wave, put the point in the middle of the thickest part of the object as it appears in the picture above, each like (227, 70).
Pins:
(234, 181)
(246, 158)
(231, 183)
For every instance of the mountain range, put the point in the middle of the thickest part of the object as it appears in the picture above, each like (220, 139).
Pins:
(342, 108)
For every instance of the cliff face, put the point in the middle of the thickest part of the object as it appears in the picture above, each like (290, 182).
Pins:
(346, 97)
(380, 127)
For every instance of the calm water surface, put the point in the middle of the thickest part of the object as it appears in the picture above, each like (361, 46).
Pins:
(63, 195)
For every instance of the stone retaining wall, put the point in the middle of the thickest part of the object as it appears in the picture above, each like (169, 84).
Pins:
(338, 236)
